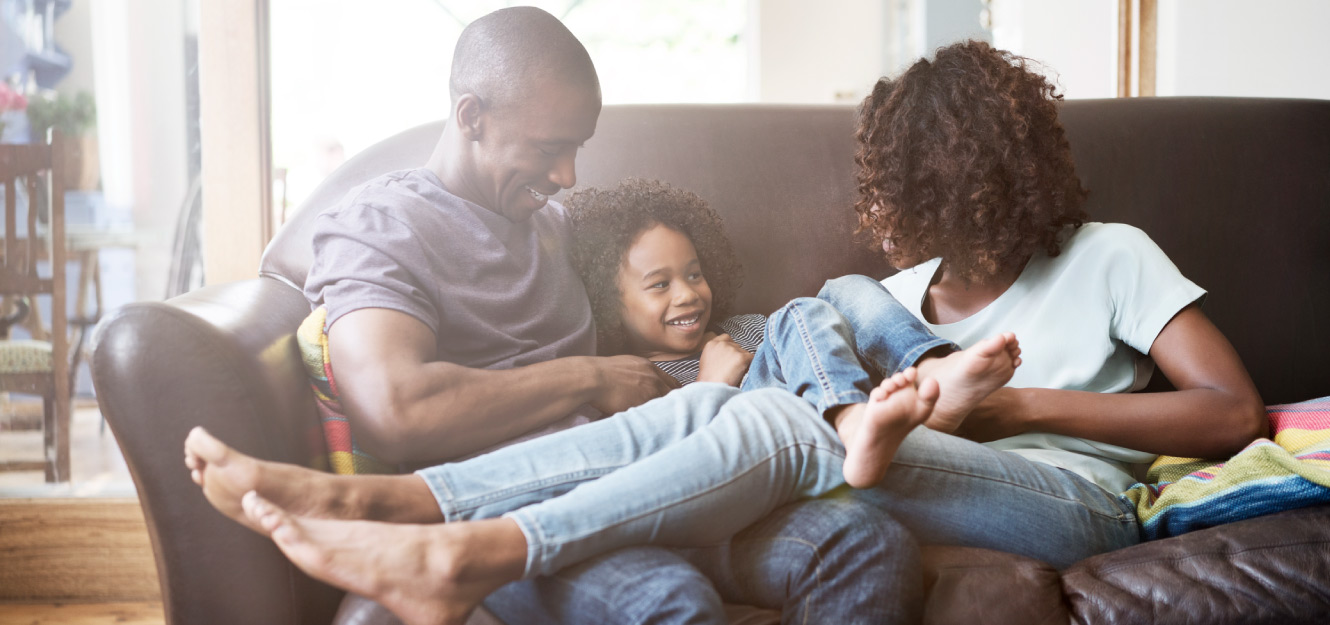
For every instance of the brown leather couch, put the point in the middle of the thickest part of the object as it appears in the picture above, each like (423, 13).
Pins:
(1236, 191)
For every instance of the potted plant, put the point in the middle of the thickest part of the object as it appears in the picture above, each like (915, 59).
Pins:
(12, 103)
(73, 117)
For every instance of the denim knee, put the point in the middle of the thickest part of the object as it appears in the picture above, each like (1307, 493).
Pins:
(868, 559)
(845, 285)
(639, 586)
(784, 315)
(827, 560)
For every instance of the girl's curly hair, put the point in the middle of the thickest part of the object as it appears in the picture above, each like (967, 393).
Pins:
(964, 158)
(606, 222)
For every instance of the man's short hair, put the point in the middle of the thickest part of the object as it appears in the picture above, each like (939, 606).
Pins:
(505, 53)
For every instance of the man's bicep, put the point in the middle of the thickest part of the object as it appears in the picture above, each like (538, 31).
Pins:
(375, 354)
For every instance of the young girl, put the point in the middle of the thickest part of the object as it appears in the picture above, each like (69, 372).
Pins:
(662, 277)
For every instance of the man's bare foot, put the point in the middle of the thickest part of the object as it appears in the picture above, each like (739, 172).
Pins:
(873, 431)
(968, 376)
(226, 475)
(426, 574)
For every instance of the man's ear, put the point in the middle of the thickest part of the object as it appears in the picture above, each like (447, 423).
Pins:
(468, 116)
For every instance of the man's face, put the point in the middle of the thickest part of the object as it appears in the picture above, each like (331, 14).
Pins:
(528, 149)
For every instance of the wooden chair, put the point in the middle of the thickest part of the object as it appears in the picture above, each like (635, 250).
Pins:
(38, 367)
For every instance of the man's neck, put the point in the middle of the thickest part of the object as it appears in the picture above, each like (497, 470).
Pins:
(448, 162)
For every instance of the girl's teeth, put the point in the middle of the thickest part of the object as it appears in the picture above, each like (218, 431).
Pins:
(534, 194)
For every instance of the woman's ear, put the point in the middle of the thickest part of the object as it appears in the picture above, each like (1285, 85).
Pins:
(468, 116)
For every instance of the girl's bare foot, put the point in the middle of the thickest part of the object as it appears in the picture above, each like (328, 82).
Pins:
(426, 574)
(226, 475)
(873, 431)
(966, 377)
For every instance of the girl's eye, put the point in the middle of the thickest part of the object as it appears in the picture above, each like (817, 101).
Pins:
(695, 276)
(659, 285)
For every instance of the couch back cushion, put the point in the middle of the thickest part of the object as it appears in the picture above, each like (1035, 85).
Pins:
(1236, 191)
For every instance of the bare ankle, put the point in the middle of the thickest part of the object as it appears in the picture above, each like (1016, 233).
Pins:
(392, 499)
(836, 415)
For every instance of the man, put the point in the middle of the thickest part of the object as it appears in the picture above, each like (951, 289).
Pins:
(456, 323)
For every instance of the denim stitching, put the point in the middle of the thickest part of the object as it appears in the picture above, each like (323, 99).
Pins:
(536, 541)
(912, 357)
(819, 369)
(527, 487)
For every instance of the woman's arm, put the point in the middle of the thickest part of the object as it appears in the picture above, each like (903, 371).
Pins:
(1215, 412)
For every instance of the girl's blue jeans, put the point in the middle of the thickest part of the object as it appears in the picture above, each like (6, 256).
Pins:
(694, 467)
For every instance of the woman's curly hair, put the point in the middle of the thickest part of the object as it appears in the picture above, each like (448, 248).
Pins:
(606, 222)
(964, 158)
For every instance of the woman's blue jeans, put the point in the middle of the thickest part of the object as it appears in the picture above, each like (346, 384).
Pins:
(698, 465)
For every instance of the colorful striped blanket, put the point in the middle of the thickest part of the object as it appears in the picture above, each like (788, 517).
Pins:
(1291, 471)
(345, 457)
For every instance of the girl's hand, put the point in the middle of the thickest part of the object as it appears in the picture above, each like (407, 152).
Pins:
(723, 361)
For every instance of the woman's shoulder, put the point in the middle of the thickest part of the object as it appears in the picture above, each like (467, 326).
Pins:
(1107, 241)
(1098, 234)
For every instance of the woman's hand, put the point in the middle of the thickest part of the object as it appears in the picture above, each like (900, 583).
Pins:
(723, 361)
(1214, 412)
(998, 416)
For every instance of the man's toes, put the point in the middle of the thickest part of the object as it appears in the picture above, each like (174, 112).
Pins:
(261, 511)
(206, 446)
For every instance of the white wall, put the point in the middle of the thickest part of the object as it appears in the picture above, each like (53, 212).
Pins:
(1075, 39)
(816, 52)
(1277, 48)
(138, 54)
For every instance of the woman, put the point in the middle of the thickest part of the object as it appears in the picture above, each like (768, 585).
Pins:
(962, 161)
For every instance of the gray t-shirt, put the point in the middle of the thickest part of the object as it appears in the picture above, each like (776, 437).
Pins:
(497, 294)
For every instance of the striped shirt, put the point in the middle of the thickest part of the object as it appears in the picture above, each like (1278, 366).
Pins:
(746, 330)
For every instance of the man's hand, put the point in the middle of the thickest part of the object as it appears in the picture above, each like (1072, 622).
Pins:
(624, 382)
(723, 361)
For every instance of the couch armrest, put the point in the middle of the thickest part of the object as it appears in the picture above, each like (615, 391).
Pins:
(223, 357)
(1271, 569)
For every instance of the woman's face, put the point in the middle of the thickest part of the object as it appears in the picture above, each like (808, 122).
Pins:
(666, 299)
(880, 228)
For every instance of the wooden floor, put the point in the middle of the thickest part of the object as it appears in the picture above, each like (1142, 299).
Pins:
(129, 613)
(67, 556)
(97, 469)
(76, 561)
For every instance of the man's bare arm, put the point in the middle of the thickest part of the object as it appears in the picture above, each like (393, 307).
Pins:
(405, 407)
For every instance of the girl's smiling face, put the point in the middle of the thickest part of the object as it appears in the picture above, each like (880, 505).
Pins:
(666, 299)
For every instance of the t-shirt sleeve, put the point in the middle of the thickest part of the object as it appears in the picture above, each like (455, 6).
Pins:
(364, 258)
(1147, 289)
(747, 330)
